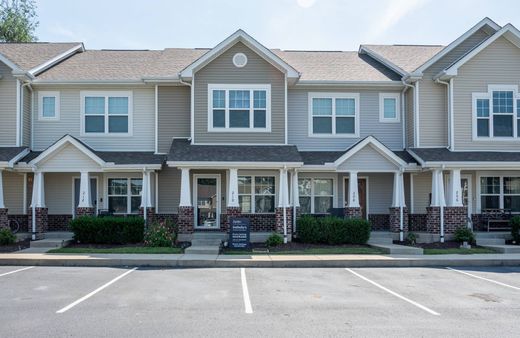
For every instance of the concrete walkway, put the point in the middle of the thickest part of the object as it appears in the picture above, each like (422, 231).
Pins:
(277, 261)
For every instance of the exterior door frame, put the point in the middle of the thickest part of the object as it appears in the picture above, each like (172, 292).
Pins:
(194, 201)
(470, 192)
(345, 185)
(74, 178)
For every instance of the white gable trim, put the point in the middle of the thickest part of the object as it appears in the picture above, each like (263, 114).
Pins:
(378, 146)
(509, 32)
(240, 36)
(64, 141)
(381, 59)
(484, 22)
(49, 63)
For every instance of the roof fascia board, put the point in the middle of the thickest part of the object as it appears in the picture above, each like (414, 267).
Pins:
(315, 83)
(473, 165)
(382, 60)
(60, 144)
(486, 21)
(416, 157)
(240, 36)
(18, 157)
(379, 147)
(88, 82)
(60, 57)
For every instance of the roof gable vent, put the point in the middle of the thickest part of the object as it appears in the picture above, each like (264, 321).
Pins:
(240, 60)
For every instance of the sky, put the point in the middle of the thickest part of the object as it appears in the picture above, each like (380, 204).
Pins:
(284, 24)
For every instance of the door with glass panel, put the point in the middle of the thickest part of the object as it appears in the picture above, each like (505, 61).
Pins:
(124, 195)
(206, 197)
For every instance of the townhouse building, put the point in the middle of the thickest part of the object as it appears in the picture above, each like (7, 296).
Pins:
(411, 137)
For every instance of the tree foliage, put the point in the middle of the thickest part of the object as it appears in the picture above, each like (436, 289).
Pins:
(18, 21)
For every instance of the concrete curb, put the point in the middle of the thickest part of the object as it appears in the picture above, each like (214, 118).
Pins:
(188, 261)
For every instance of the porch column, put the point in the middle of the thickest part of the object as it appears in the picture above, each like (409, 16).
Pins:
(283, 212)
(435, 212)
(455, 191)
(398, 210)
(295, 198)
(39, 213)
(185, 214)
(146, 209)
(3, 209)
(84, 207)
(455, 214)
(353, 208)
(233, 205)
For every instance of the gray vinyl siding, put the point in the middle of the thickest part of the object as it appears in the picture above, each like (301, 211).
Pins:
(143, 138)
(169, 190)
(410, 118)
(391, 134)
(433, 102)
(497, 64)
(222, 71)
(7, 107)
(26, 117)
(58, 193)
(13, 192)
(379, 189)
(422, 184)
(174, 115)
(367, 159)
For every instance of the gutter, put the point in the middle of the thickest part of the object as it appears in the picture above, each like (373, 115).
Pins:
(192, 102)
(449, 87)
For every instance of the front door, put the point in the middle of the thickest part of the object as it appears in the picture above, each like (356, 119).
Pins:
(206, 196)
(362, 190)
(93, 193)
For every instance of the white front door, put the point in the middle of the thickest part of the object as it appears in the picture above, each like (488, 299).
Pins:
(206, 200)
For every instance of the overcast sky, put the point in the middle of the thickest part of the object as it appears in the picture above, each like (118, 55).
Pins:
(285, 24)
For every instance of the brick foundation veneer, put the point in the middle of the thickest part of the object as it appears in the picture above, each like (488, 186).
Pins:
(264, 222)
(454, 217)
(164, 217)
(42, 221)
(22, 220)
(150, 214)
(395, 219)
(81, 211)
(352, 212)
(231, 212)
(59, 222)
(379, 222)
(417, 223)
(3, 218)
(433, 220)
(185, 220)
(278, 212)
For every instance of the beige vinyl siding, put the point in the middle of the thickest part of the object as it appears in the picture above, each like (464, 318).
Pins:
(58, 193)
(7, 107)
(367, 159)
(27, 117)
(13, 192)
(422, 186)
(143, 138)
(410, 117)
(169, 190)
(391, 134)
(433, 102)
(498, 64)
(379, 190)
(257, 71)
(174, 115)
(69, 158)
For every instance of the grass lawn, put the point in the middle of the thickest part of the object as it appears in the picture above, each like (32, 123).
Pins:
(458, 251)
(119, 250)
(310, 251)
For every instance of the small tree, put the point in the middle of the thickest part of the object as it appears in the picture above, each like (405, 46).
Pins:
(18, 21)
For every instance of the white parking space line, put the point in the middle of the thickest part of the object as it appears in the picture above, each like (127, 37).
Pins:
(245, 291)
(15, 271)
(70, 306)
(422, 307)
(483, 278)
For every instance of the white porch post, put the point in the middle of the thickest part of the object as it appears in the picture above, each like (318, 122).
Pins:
(233, 189)
(295, 196)
(283, 199)
(85, 201)
(38, 193)
(455, 191)
(438, 199)
(353, 194)
(185, 188)
(146, 193)
(398, 200)
(2, 205)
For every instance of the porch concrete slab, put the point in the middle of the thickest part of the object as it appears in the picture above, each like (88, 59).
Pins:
(395, 249)
(509, 249)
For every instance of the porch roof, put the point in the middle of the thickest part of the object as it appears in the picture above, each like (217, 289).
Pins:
(445, 155)
(9, 153)
(116, 157)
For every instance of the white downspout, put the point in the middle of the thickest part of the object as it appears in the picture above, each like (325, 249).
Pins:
(450, 114)
(403, 108)
(192, 103)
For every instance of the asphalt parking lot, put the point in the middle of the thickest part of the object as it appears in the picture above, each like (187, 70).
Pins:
(86, 302)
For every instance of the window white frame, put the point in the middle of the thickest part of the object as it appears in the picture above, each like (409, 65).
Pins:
(128, 195)
(56, 96)
(397, 98)
(195, 198)
(247, 87)
(106, 95)
(333, 96)
(253, 194)
(313, 195)
(489, 96)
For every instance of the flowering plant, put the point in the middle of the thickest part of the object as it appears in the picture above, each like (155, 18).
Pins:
(161, 234)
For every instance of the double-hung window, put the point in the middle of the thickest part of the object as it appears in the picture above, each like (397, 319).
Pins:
(389, 107)
(496, 114)
(316, 195)
(124, 195)
(106, 113)
(500, 192)
(334, 114)
(48, 105)
(256, 194)
(239, 108)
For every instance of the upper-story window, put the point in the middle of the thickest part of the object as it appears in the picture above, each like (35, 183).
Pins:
(106, 113)
(239, 108)
(334, 114)
(496, 114)
(389, 107)
(48, 105)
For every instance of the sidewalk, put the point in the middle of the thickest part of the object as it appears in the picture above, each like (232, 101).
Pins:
(260, 261)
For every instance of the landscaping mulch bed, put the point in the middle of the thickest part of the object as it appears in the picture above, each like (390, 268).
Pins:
(304, 249)
(26, 243)
(434, 245)
(305, 246)
(113, 246)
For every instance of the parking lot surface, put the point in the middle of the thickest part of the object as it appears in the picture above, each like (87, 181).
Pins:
(129, 302)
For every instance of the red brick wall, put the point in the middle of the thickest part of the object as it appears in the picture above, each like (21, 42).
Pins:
(395, 219)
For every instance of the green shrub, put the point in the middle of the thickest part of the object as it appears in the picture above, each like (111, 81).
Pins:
(358, 231)
(6, 236)
(411, 238)
(274, 240)
(333, 230)
(160, 234)
(464, 234)
(108, 230)
(308, 229)
(515, 228)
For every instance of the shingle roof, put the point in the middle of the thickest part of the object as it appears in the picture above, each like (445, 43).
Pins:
(8, 153)
(322, 157)
(29, 55)
(406, 57)
(445, 155)
(183, 151)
